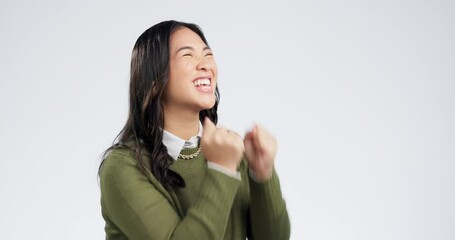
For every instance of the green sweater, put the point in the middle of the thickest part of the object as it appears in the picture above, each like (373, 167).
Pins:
(211, 206)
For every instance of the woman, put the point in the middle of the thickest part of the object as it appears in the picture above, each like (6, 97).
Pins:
(169, 176)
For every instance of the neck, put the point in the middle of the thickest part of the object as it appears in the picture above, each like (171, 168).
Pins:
(180, 123)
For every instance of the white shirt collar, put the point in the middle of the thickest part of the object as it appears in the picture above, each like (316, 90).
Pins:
(175, 144)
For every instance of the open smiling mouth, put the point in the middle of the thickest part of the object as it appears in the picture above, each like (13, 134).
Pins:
(202, 84)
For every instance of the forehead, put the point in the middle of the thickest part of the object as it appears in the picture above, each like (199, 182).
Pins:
(185, 37)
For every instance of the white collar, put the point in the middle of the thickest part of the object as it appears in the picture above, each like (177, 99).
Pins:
(175, 144)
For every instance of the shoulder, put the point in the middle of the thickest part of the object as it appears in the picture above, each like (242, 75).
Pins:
(120, 175)
(117, 165)
(124, 154)
(122, 164)
(117, 158)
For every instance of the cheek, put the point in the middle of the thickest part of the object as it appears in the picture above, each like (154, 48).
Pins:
(178, 76)
(177, 68)
(173, 87)
(183, 67)
(215, 69)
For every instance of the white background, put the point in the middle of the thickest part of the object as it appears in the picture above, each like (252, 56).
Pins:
(360, 95)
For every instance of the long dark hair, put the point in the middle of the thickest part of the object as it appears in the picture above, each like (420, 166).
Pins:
(148, 79)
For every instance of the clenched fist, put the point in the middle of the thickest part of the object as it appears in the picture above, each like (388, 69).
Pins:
(221, 146)
(260, 150)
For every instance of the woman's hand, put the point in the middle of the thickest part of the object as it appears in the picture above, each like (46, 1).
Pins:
(221, 146)
(260, 149)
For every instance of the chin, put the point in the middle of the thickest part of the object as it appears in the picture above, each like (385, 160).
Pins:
(208, 105)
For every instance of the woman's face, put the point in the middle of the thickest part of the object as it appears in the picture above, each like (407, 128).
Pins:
(192, 73)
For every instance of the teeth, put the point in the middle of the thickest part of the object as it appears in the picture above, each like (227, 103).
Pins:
(199, 82)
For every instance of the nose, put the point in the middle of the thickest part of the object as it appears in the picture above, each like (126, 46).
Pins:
(204, 64)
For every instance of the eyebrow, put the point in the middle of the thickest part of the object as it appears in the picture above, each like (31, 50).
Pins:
(191, 48)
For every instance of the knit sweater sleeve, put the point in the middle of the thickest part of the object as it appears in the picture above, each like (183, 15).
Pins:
(268, 215)
(141, 212)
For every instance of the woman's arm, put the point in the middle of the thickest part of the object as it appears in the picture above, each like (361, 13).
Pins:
(268, 215)
(135, 206)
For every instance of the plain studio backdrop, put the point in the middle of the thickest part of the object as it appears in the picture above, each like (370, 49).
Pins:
(360, 95)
